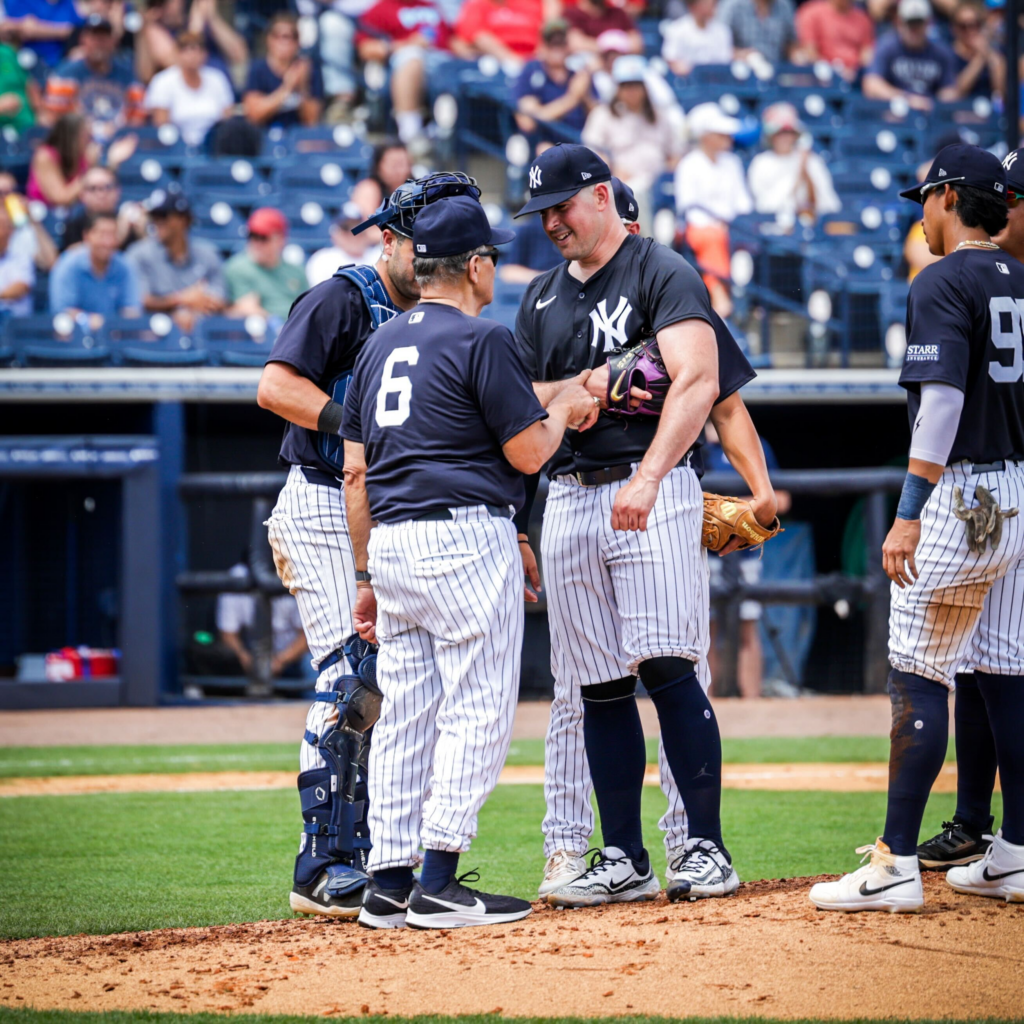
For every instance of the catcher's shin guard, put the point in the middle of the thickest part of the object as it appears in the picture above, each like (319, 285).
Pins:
(320, 806)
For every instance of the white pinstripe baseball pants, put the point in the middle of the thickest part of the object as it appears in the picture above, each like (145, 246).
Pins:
(450, 626)
(308, 533)
(615, 599)
(963, 607)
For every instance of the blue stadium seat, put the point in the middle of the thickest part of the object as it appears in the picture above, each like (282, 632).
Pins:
(53, 341)
(236, 180)
(338, 142)
(151, 341)
(309, 221)
(218, 223)
(322, 179)
(886, 144)
(232, 342)
(140, 177)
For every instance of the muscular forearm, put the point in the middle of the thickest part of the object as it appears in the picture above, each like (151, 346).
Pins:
(548, 390)
(293, 651)
(357, 509)
(686, 410)
(741, 444)
(284, 391)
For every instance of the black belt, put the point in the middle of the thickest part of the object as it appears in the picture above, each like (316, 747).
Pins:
(444, 515)
(318, 476)
(603, 476)
(993, 467)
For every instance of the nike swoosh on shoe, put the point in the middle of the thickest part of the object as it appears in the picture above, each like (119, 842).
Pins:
(477, 904)
(995, 878)
(865, 891)
(395, 903)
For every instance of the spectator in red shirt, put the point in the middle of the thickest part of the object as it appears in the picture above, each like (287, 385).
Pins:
(837, 31)
(413, 37)
(506, 29)
(589, 18)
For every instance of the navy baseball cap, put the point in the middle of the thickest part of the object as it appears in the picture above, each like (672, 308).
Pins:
(1013, 164)
(965, 165)
(163, 204)
(560, 172)
(625, 201)
(454, 225)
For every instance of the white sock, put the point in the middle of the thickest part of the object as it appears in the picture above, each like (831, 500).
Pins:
(410, 125)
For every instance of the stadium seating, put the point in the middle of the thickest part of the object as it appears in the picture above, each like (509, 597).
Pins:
(53, 341)
(151, 341)
(230, 342)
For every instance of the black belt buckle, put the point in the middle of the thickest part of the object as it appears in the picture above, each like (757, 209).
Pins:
(989, 467)
(603, 476)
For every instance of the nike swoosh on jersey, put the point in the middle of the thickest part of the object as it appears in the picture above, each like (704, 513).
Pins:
(546, 302)
(993, 878)
(401, 904)
(614, 395)
(478, 904)
(865, 891)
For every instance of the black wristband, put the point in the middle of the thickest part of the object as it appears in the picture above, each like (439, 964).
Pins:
(329, 420)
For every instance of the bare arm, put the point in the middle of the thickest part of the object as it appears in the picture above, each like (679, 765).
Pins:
(234, 641)
(309, 110)
(284, 391)
(532, 447)
(291, 653)
(357, 508)
(262, 106)
(691, 358)
(52, 183)
(46, 249)
(742, 447)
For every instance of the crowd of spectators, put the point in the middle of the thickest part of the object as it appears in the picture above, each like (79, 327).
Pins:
(86, 73)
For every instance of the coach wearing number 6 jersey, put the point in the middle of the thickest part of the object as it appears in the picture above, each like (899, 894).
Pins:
(440, 423)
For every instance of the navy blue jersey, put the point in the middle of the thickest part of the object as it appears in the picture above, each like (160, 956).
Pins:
(565, 326)
(432, 400)
(964, 329)
(325, 331)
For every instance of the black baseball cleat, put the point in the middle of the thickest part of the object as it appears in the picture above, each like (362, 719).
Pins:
(458, 906)
(384, 908)
(335, 892)
(956, 844)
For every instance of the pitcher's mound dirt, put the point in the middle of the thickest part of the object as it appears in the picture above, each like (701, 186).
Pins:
(765, 952)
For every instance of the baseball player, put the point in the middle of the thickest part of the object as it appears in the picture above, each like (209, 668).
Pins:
(440, 423)
(304, 382)
(969, 834)
(569, 821)
(627, 576)
(957, 539)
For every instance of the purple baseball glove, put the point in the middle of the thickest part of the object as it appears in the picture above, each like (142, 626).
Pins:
(638, 367)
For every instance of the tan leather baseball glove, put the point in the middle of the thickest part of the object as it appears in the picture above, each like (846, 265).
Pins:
(725, 518)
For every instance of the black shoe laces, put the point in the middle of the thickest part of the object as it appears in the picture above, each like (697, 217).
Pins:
(697, 857)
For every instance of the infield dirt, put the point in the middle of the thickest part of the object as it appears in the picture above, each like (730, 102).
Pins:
(765, 952)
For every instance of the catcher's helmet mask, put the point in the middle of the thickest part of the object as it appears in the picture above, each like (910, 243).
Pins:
(398, 211)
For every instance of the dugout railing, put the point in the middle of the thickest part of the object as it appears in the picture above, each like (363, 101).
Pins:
(869, 592)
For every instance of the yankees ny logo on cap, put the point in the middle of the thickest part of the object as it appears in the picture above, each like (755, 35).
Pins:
(560, 172)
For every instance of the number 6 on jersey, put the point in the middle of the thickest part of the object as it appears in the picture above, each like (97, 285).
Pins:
(392, 385)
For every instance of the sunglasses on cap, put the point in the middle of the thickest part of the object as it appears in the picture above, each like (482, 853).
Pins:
(931, 186)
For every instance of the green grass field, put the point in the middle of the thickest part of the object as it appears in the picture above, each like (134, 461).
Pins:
(120, 862)
(20, 762)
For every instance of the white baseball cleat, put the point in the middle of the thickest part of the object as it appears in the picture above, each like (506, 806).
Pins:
(700, 870)
(999, 874)
(562, 868)
(611, 878)
(886, 882)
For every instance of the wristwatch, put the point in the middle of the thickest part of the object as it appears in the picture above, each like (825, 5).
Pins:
(362, 576)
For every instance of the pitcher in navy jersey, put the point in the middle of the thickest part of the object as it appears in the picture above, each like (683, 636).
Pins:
(957, 533)
(627, 575)
(440, 423)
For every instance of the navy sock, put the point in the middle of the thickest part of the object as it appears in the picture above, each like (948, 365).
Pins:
(614, 739)
(1004, 698)
(439, 869)
(975, 755)
(917, 750)
(693, 744)
(394, 878)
